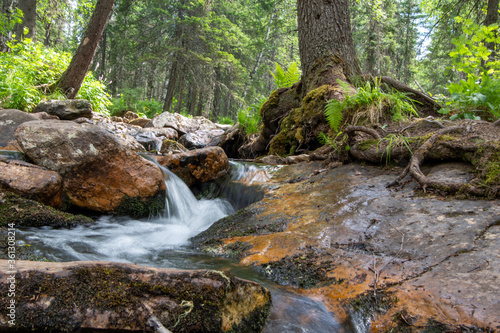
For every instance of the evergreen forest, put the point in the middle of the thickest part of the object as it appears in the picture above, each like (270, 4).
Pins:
(222, 59)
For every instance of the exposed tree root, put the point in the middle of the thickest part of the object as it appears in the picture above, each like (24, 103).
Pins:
(428, 147)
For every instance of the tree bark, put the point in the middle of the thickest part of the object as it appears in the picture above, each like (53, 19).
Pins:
(29, 20)
(325, 42)
(71, 80)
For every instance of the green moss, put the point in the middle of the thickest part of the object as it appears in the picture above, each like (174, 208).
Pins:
(137, 208)
(29, 213)
(368, 144)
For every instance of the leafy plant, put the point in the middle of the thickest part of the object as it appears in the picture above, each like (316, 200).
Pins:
(368, 104)
(340, 140)
(286, 78)
(28, 72)
(250, 118)
(478, 95)
(225, 120)
(130, 99)
(393, 141)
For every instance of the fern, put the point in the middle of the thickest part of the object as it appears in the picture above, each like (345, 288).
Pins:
(333, 113)
(286, 78)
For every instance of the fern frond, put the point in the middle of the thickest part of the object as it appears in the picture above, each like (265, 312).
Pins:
(333, 113)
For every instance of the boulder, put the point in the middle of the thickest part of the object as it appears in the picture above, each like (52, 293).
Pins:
(95, 296)
(197, 166)
(149, 141)
(22, 212)
(141, 122)
(66, 110)
(31, 181)
(9, 120)
(99, 172)
(172, 147)
(165, 132)
(231, 140)
(183, 124)
(196, 140)
(124, 132)
(129, 115)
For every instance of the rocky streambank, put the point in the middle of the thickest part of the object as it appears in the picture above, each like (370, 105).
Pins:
(382, 259)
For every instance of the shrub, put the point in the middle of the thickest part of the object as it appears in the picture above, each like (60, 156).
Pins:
(130, 99)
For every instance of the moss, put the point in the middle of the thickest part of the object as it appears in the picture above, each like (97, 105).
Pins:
(368, 144)
(370, 304)
(137, 208)
(29, 213)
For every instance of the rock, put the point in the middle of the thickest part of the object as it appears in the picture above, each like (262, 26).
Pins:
(46, 116)
(433, 261)
(182, 124)
(124, 132)
(172, 147)
(23, 212)
(271, 159)
(149, 141)
(117, 119)
(66, 110)
(129, 115)
(93, 296)
(141, 122)
(197, 166)
(199, 138)
(165, 132)
(31, 181)
(294, 159)
(9, 120)
(232, 139)
(99, 172)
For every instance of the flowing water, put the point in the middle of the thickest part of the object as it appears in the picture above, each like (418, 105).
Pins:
(161, 242)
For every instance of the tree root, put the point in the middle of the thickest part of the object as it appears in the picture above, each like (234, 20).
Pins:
(418, 157)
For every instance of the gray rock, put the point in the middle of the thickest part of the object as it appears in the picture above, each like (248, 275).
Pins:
(66, 110)
(10, 119)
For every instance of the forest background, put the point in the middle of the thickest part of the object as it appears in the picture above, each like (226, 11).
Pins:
(222, 59)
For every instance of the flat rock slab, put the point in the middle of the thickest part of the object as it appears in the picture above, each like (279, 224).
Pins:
(124, 297)
(343, 235)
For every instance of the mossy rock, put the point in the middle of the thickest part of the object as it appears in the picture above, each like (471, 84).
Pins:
(23, 212)
(137, 208)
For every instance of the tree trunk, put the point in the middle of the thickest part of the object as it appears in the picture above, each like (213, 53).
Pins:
(29, 20)
(492, 18)
(71, 80)
(325, 42)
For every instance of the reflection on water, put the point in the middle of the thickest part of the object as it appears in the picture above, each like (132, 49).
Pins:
(161, 242)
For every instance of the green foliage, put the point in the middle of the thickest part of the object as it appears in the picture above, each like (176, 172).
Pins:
(131, 99)
(225, 120)
(7, 22)
(283, 79)
(478, 95)
(250, 118)
(368, 104)
(29, 71)
(338, 141)
(392, 141)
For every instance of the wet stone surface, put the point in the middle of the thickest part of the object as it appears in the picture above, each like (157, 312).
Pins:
(438, 257)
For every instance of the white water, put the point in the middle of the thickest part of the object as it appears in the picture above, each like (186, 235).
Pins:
(128, 240)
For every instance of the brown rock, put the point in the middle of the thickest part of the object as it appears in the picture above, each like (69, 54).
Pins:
(139, 122)
(100, 173)
(123, 297)
(197, 166)
(129, 115)
(9, 120)
(172, 147)
(31, 181)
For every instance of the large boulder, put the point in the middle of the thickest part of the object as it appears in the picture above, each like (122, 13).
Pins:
(74, 296)
(99, 172)
(183, 124)
(197, 166)
(199, 138)
(9, 120)
(31, 181)
(70, 109)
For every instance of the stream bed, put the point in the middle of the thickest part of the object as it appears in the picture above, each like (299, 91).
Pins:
(162, 241)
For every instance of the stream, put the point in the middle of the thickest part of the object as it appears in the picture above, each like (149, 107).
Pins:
(162, 241)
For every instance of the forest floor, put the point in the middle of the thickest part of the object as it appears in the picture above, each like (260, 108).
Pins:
(397, 257)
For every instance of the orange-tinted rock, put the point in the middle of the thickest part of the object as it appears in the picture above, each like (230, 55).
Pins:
(141, 122)
(107, 296)
(197, 166)
(31, 181)
(99, 172)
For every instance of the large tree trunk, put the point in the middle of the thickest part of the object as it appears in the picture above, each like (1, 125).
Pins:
(71, 80)
(29, 20)
(325, 42)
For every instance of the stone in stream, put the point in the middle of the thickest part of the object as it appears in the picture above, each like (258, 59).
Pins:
(99, 172)
(31, 181)
(124, 297)
(197, 166)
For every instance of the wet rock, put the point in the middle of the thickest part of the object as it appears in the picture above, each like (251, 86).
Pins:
(197, 166)
(149, 141)
(31, 181)
(438, 257)
(9, 120)
(271, 159)
(99, 172)
(294, 159)
(231, 140)
(22, 212)
(199, 138)
(172, 147)
(66, 110)
(124, 297)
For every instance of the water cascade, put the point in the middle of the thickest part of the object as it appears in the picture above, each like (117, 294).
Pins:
(160, 242)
